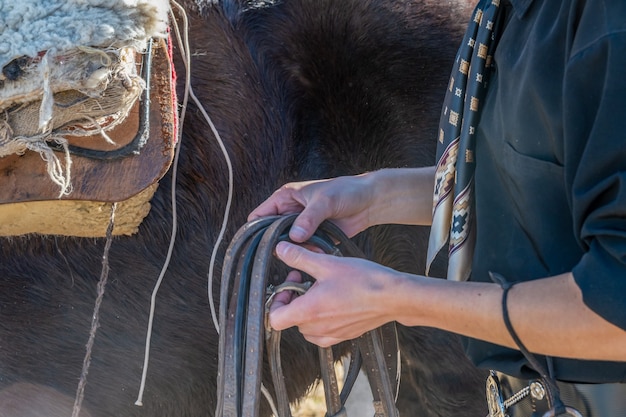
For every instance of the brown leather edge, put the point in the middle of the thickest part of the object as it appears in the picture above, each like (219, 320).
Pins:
(24, 178)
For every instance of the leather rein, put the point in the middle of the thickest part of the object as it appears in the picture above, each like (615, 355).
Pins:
(245, 296)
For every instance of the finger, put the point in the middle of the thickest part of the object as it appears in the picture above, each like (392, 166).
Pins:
(308, 221)
(285, 297)
(312, 247)
(301, 259)
(285, 200)
(323, 341)
(270, 207)
(284, 316)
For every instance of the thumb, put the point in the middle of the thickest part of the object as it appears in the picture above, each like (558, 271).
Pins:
(298, 257)
(282, 316)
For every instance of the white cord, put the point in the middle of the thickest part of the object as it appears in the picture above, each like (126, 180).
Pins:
(184, 43)
(227, 159)
(170, 250)
(220, 237)
(188, 91)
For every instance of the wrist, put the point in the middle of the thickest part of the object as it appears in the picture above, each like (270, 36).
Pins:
(409, 302)
(401, 196)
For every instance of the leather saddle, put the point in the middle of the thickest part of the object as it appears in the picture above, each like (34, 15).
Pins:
(102, 172)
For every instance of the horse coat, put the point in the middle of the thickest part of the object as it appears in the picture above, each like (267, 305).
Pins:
(298, 89)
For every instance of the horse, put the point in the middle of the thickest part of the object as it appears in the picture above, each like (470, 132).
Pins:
(297, 89)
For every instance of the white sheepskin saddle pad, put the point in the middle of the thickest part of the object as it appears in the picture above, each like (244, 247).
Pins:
(70, 67)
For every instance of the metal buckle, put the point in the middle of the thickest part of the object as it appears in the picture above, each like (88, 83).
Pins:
(495, 401)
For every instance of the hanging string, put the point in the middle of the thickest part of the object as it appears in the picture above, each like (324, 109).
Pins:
(174, 231)
(183, 42)
(95, 320)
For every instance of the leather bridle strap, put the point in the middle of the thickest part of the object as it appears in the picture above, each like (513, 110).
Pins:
(374, 345)
(244, 328)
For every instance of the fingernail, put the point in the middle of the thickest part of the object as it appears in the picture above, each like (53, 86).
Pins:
(281, 248)
(297, 233)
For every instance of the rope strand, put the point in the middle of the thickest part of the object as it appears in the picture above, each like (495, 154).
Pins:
(95, 322)
(183, 42)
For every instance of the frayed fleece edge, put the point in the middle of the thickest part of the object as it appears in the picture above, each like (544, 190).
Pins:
(32, 26)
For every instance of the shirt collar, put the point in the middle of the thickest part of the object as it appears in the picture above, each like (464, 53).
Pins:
(521, 6)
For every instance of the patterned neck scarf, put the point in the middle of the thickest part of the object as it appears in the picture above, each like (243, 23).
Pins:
(453, 200)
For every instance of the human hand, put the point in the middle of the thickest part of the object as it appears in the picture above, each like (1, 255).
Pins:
(349, 297)
(400, 196)
(343, 200)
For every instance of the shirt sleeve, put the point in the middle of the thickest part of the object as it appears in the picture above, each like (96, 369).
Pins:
(595, 171)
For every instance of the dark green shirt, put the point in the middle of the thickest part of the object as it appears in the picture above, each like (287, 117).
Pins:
(551, 164)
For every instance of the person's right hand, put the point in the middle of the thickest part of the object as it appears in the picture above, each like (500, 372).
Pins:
(344, 200)
(350, 296)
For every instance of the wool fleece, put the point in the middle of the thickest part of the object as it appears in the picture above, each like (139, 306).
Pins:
(32, 26)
